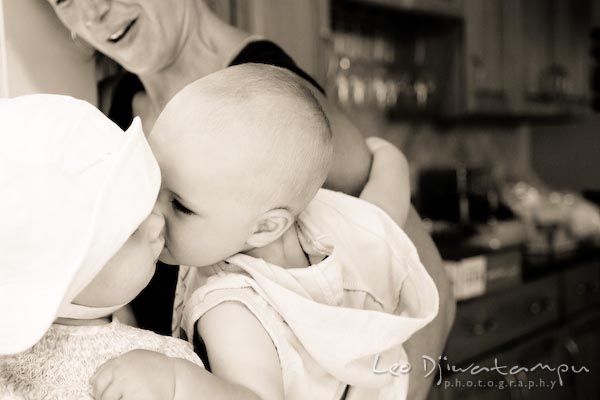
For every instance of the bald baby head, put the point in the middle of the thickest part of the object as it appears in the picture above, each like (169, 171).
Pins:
(263, 128)
(242, 152)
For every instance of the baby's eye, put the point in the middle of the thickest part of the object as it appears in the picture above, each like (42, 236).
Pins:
(177, 206)
(59, 2)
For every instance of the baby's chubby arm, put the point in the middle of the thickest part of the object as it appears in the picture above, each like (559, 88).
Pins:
(389, 183)
(241, 351)
(147, 375)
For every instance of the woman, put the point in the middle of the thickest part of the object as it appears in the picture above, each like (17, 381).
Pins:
(171, 43)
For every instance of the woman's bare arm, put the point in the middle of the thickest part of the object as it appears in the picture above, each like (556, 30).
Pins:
(351, 158)
(429, 341)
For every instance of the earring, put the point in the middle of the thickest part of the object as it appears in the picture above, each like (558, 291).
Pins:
(74, 36)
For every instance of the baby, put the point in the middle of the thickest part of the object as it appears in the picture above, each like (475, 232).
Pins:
(296, 292)
(79, 240)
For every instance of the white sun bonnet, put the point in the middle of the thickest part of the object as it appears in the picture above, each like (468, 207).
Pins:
(74, 188)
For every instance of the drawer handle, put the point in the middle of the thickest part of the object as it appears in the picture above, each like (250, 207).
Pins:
(574, 353)
(540, 306)
(513, 383)
(572, 348)
(587, 288)
(481, 328)
(523, 380)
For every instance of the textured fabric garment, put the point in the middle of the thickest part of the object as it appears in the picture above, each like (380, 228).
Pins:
(331, 321)
(60, 365)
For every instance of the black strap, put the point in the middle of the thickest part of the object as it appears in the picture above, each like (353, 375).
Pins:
(265, 52)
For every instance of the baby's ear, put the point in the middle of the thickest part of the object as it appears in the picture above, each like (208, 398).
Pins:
(269, 227)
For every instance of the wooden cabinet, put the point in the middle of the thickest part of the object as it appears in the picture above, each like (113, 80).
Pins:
(488, 57)
(554, 56)
(581, 287)
(537, 383)
(580, 347)
(516, 57)
(482, 324)
(503, 378)
(573, 347)
(487, 385)
(526, 57)
(543, 325)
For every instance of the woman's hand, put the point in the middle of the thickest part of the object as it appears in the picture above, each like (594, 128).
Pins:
(136, 375)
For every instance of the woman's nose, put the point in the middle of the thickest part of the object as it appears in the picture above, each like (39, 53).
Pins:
(93, 10)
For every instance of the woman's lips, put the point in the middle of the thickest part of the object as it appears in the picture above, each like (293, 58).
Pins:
(120, 34)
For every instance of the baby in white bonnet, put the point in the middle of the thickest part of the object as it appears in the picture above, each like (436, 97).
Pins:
(78, 240)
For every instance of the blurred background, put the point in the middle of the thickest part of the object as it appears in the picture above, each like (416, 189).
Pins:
(496, 104)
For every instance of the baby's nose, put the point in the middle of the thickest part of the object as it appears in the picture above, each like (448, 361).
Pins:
(154, 226)
(161, 203)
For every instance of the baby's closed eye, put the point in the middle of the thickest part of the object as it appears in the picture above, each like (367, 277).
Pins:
(177, 206)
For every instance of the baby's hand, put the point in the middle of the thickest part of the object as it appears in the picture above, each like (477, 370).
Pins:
(138, 374)
(389, 183)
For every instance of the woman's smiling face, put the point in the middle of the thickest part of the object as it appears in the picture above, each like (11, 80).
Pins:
(142, 35)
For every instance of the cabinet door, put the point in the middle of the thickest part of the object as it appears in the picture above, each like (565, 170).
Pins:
(464, 387)
(572, 26)
(528, 371)
(539, 382)
(580, 348)
(297, 26)
(581, 286)
(527, 57)
(487, 323)
(553, 56)
(488, 55)
(482, 382)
